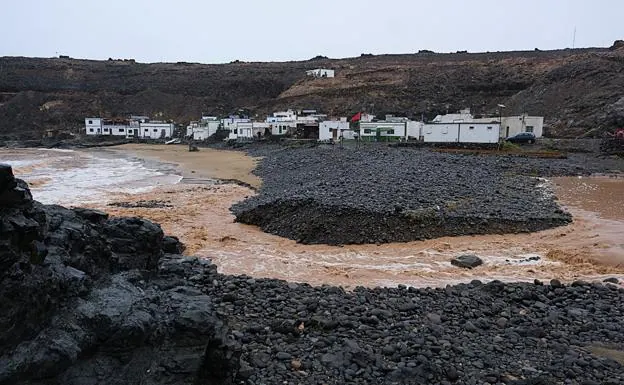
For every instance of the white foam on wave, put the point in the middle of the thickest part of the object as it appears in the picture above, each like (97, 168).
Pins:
(94, 178)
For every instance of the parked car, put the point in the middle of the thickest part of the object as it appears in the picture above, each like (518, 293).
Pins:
(522, 137)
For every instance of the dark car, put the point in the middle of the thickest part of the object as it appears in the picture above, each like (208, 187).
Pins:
(522, 137)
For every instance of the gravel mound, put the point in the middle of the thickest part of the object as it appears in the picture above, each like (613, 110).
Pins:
(376, 194)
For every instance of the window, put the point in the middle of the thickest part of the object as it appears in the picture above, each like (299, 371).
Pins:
(236, 131)
(121, 130)
(90, 121)
(155, 129)
(529, 128)
(106, 130)
(90, 129)
(146, 130)
(390, 132)
(471, 128)
(367, 131)
(130, 131)
(489, 127)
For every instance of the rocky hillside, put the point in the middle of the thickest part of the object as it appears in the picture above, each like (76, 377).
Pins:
(578, 91)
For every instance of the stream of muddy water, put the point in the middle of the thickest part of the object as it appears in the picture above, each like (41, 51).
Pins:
(591, 248)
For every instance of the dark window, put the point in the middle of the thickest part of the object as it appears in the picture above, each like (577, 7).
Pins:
(236, 131)
(106, 130)
(390, 132)
(155, 129)
(529, 128)
(91, 130)
(121, 130)
(146, 130)
(367, 131)
(489, 128)
(472, 127)
(90, 121)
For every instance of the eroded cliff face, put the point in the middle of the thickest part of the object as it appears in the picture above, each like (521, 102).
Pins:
(578, 91)
(90, 299)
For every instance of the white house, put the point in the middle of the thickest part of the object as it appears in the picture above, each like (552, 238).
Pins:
(248, 130)
(203, 130)
(321, 73)
(461, 132)
(512, 125)
(93, 126)
(283, 127)
(334, 129)
(382, 129)
(154, 130)
(462, 116)
(282, 116)
(135, 127)
(230, 123)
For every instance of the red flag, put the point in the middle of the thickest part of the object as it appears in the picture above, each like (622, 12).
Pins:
(356, 117)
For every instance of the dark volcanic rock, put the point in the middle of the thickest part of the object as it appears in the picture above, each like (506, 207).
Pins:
(86, 316)
(83, 302)
(378, 194)
(467, 261)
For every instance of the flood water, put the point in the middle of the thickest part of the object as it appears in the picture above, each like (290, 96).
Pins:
(591, 248)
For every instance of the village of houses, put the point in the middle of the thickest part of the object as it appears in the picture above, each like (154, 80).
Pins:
(461, 127)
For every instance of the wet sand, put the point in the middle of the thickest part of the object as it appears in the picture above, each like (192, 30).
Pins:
(592, 247)
(203, 164)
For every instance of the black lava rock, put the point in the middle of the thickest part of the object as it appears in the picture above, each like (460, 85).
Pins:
(467, 261)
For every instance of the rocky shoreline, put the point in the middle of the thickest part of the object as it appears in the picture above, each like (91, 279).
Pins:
(90, 299)
(376, 194)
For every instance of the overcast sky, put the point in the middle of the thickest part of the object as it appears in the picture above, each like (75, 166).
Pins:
(217, 31)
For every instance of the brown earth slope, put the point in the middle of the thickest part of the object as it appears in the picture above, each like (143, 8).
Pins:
(579, 91)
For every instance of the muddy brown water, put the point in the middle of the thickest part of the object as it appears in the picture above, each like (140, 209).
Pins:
(591, 248)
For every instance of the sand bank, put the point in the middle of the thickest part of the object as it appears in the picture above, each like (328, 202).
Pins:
(203, 164)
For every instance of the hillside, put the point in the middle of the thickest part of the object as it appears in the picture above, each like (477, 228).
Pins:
(580, 92)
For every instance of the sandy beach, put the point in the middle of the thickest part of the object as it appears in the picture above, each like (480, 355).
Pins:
(202, 164)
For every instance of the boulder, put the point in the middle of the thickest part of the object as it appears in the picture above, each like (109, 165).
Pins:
(467, 261)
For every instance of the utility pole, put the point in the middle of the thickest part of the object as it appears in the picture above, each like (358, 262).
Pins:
(574, 38)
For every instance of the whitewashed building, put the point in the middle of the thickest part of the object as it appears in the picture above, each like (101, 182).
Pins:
(129, 128)
(93, 126)
(334, 129)
(231, 122)
(248, 130)
(382, 130)
(154, 130)
(461, 132)
(321, 73)
(512, 125)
